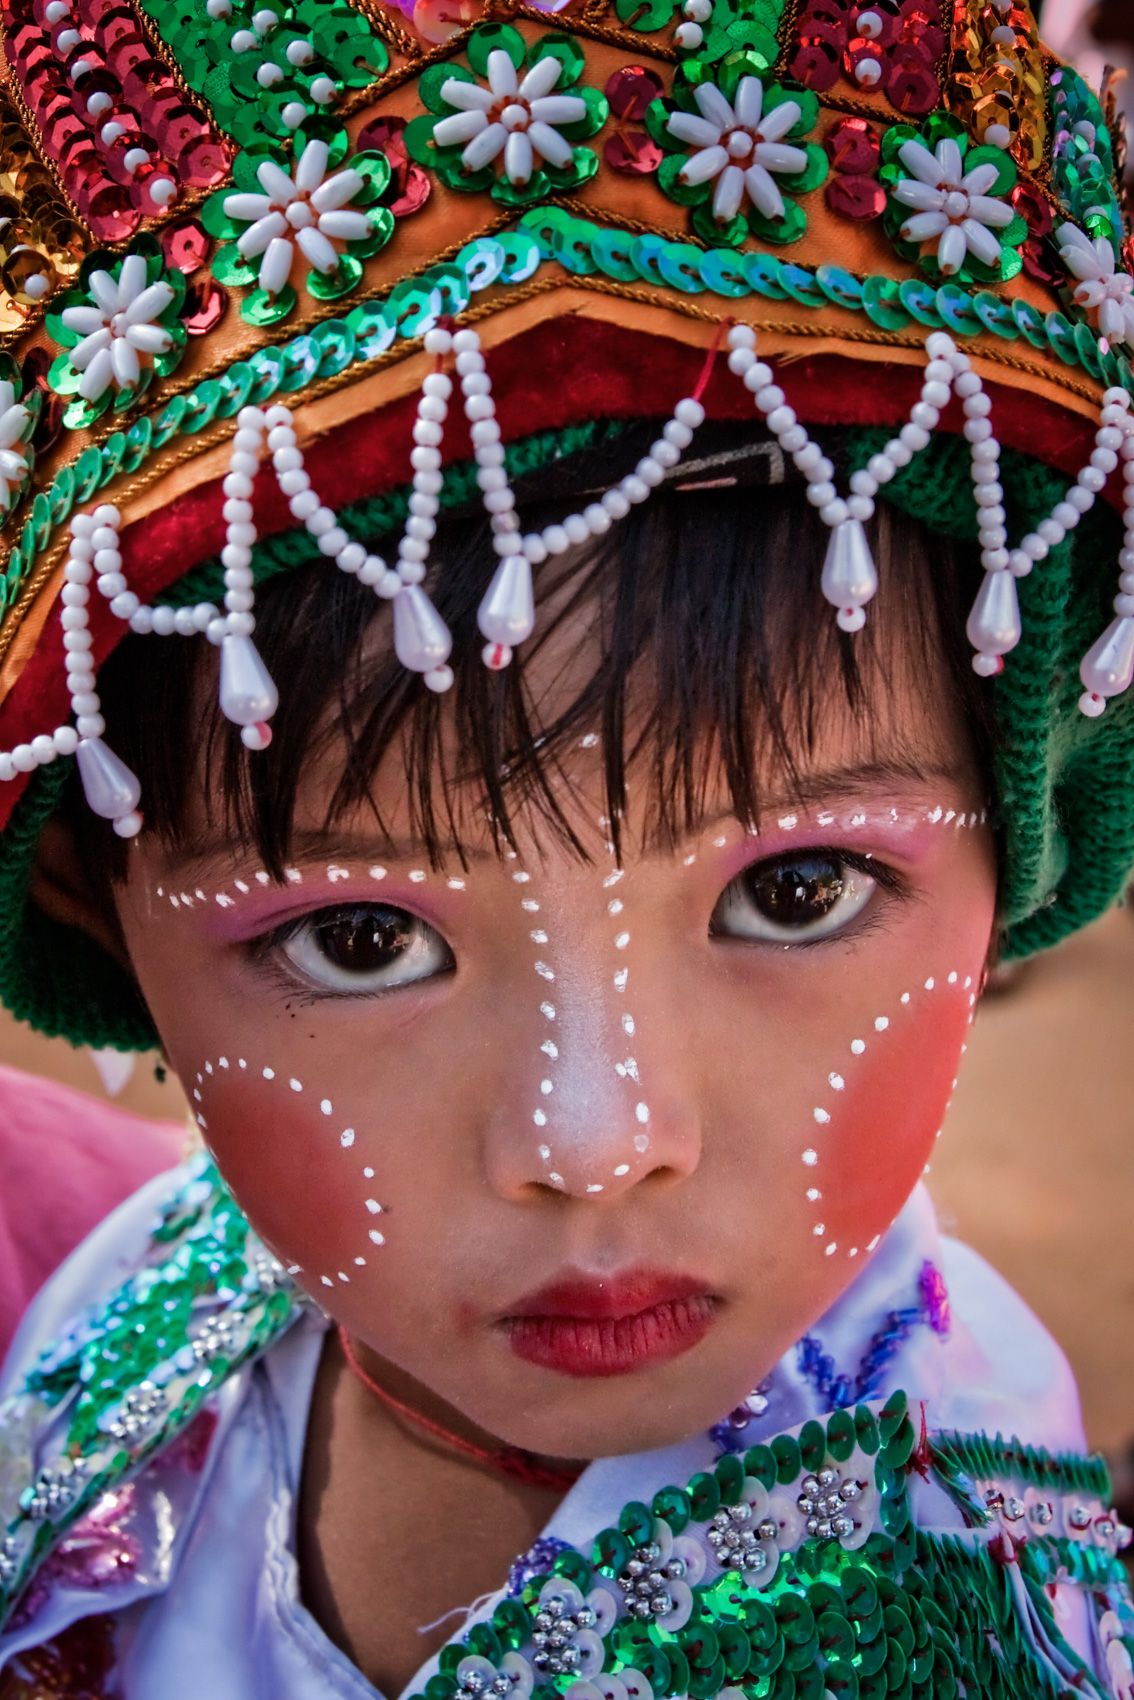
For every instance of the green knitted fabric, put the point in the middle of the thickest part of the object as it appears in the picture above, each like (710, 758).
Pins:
(1065, 783)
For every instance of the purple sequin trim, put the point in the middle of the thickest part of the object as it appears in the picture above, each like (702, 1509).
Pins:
(538, 1559)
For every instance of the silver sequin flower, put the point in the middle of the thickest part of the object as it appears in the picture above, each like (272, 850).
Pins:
(138, 1414)
(568, 1629)
(828, 1500)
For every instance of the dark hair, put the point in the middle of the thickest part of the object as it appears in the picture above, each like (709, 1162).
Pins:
(713, 591)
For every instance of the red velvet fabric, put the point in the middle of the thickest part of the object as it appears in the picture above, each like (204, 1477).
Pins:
(558, 373)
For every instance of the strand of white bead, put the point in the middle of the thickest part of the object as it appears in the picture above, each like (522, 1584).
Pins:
(506, 616)
(597, 517)
(1107, 669)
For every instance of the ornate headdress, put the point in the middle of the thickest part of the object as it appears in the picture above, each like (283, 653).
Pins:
(231, 231)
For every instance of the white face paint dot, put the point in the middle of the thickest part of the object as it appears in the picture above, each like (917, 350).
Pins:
(547, 1010)
(222, 1062)
(642, 1111)
(788, 822)
(620, 979)
(968, 981)
(821, 1115)
(628, 1025)
(197, 1094)
(550, 1049)
(239, 884)
(881, 1022)
(326, 1106)
(376, 1237)
(905, 998)
(544, 972)
(268, 1073)
(374, 1207)
(595, 1186)
(343, 1277)
(831, 1249)
(719, 843)
(296, 1085)
(326, 1280)
(520, 877)
(641, 1142)
(930, 983)
(875, 1243)
(836, 1082)
(813, 1194)
(369, 1173)
(529, 905)
(417, 875)
(346, 1138)
(539, 1117)
(293, 875)
(377, 872)
(819, 1230)
(622, 1169)
(622, 940)
(615, 906)
(209, 1070)
(547, 1087)
(858, 1046)
(588, 741)
(556, 1180)
(613, 879)
(538, 936)
(545, 1153)
(455, 883)
(853, 1252)
(242, 1062)
(953, 977)
(688, 861)
(360, 1263)
(810, 1157)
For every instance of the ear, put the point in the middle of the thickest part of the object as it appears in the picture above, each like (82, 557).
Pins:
(63, 889)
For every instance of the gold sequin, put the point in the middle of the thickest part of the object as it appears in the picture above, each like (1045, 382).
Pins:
(997, 79)
(40, 243)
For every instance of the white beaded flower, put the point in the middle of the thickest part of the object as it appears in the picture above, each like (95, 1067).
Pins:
(739, 144)
(518, 118)
(952, 206)
(118, 332)
(14, 466)
(1102, 288)
(310, 212)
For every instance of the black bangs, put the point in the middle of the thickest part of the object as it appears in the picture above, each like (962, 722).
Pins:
(693, 640)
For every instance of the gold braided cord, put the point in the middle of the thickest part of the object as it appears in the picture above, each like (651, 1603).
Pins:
(220, 431)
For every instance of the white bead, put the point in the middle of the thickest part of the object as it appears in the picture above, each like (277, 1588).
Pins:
(7, 766)
(1110, 437)
(913, 437)
(237, 484)
(248, 441)
(1104, 460)
(466, 341)
(900, 453)
(939, 372)
(106, 514)
(490, 454)
(183, 622)
(927, 417)
(978, 430)
(492, 478)
(1124, 606)
(741, 336)
(534, 548)
(142, 621)
(66, 740)
(245, 463)
(438, 340)
(935, 394)
(90, 725)
(649, 471)
(555, 539)
(1081, 499)
(236, 556)
(616, 503)
(597, 519)
(808, 458)
(125, 606)
(834, 513)
(863, 483)
(476, 383)
(940, 346)
(820, 494)
(350, 557)
(690, 412)
(499, 501)
(1052, 532)
(237, 512)
(769, 397)
(427, 432)
(1116, 397)
(664, 453)
(240, 624)
(881, 469)
(794, 440)
(781, 420)
(576, 528)
(374, 570)
(758, 377)
(163, 621)
(423, 458)
(1113, 415)
(410, 571)
(432, 407)
(438, 384)
(977, 404)
(485, 431)
(104, 538)
(203, 615)
(23, 759)
(417, 525)
(989, 495)
(688, 36)
(479, 407)
(413, 549)
(678, 434)
(986, 472)
(75, 595)
(77, 641)
(73, 619)
(1092, 479)
(82, 525)
(84, 702)
(331, 542)
(861, 508)
(286, 460)
(322, 91)
(1034, 547)
(986, 453)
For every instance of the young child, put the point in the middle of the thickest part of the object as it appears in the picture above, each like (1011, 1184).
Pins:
(566, 917)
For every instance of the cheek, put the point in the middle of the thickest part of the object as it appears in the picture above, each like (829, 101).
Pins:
(313, 1180)
(878, 1110)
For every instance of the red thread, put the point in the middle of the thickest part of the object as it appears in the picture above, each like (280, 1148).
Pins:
(507, 1460)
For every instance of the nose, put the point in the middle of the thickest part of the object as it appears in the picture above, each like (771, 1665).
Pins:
(600, 1090)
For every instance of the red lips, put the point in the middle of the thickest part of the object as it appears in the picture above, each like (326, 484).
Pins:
(594, 1326)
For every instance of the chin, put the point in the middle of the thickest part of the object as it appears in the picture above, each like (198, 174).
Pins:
(599, 1420)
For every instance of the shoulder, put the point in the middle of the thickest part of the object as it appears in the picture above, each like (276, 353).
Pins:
(66, 1160)
(1007, 1374)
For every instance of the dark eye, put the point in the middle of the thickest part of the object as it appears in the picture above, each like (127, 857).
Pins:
(363, 947)
(794, 899)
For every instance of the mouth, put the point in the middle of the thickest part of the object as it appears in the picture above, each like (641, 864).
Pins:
(606, 1326)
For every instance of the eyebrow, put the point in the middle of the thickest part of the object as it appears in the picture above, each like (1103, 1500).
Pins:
(892, 777)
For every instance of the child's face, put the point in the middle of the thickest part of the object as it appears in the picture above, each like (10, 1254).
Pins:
(582, 1148)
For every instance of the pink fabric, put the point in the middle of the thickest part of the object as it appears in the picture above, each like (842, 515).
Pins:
(66, 1160)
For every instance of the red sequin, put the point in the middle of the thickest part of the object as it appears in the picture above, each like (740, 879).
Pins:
(409, 184)
(631, 150)
(205, 304)
(891, 46)
(111, 58)
(1039, 257)
(185, 245)
(855, 152)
